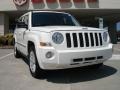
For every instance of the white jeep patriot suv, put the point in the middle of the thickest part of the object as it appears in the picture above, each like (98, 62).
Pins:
(55, 40)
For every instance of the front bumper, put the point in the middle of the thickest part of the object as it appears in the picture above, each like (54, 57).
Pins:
(73, 58)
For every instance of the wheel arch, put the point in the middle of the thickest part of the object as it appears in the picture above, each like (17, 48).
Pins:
(29, 44)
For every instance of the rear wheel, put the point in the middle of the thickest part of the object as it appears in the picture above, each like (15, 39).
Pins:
(33, 64)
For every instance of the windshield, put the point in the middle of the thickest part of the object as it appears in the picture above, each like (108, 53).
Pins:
(52, 19)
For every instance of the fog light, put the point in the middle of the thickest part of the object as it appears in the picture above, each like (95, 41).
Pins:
(49, 54)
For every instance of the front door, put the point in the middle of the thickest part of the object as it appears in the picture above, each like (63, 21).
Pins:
(23, 35)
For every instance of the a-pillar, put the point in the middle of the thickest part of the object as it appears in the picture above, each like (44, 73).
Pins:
(112, 32)
(4, 24)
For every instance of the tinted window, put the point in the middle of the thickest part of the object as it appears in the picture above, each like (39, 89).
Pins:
(52, 19)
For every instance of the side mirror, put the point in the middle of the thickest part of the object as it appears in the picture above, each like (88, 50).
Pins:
(22, 25)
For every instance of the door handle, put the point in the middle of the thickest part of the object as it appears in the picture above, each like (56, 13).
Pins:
(24, 32)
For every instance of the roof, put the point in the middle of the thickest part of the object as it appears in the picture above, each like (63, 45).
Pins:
(50, 11)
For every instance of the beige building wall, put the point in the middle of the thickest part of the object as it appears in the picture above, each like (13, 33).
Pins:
(4, 24)
(110, 4)
(8, 5)
(1, 24)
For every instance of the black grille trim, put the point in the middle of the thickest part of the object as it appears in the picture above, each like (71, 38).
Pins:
(96, 39)
(90, 58)
(92, 39)
(87, 39)
(75, 41)
(68, 39)
(81, 40)
(100, 36)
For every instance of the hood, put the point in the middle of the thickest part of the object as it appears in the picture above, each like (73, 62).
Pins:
(63, 28)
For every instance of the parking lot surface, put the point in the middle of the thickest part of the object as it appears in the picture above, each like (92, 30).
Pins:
(15, 75)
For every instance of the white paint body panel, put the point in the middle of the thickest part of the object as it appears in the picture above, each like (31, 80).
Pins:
(64, 58)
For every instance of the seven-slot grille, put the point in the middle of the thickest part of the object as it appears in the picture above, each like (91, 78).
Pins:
(85, 39)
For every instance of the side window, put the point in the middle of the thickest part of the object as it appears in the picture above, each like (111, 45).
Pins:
(25, 19)
(19, 20)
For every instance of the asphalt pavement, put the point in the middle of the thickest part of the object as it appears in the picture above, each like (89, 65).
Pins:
(15, 75)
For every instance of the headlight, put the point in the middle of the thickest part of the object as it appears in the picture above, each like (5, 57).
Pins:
(57, 38)
(105, 36)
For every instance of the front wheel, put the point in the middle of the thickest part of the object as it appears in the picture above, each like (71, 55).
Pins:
(33, 64)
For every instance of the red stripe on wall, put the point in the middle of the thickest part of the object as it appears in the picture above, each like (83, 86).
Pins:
(77, 1)
(91, 1)
(50, 1)
(64, 1)
(36, 1)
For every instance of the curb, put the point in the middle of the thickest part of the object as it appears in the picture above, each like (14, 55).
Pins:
(6, 47)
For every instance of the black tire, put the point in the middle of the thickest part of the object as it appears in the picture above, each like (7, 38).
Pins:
(38, 73)
(16, 53)
(96, 66)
